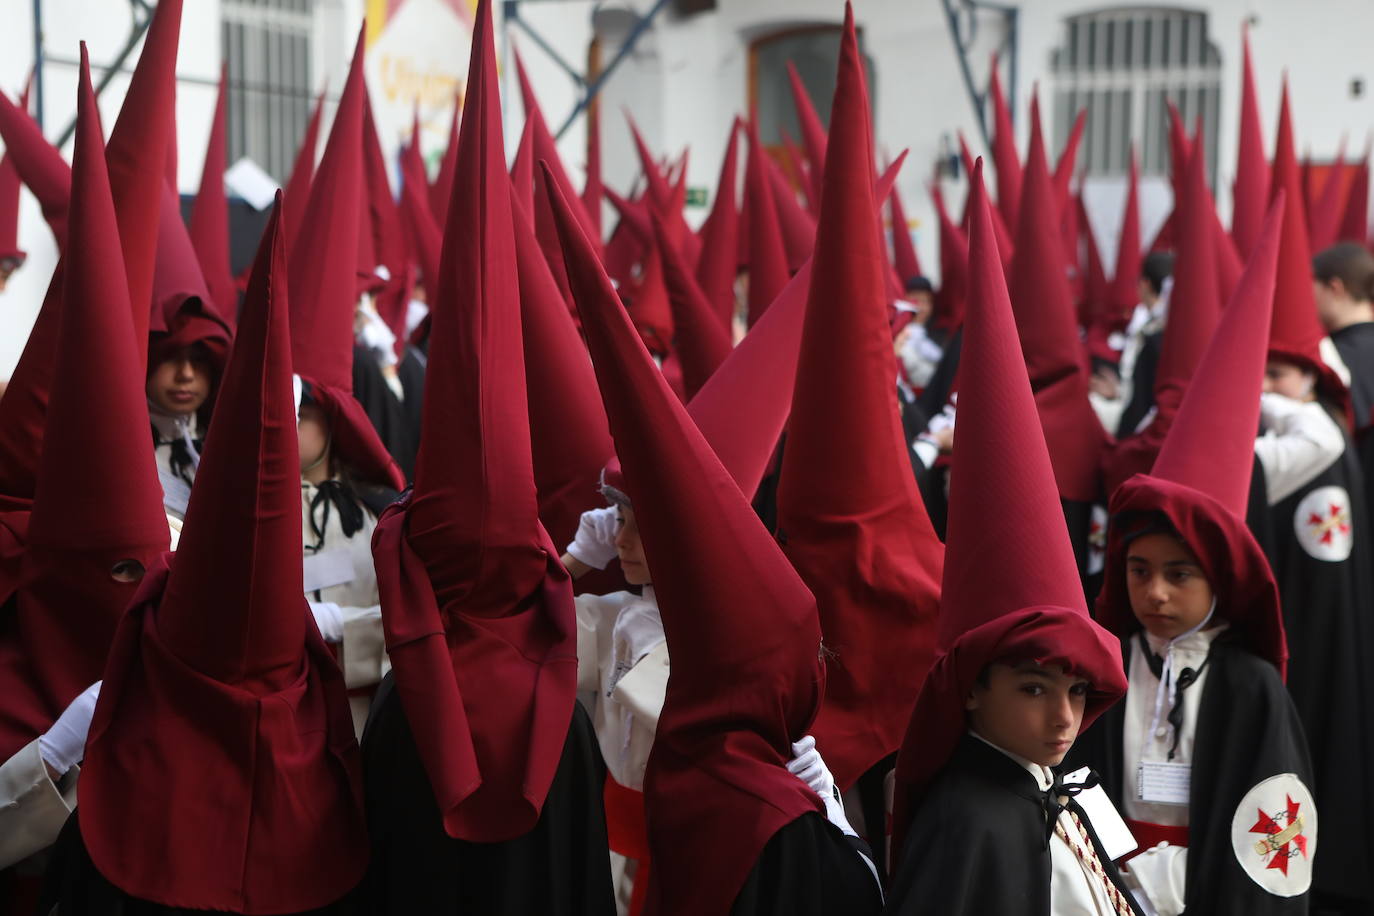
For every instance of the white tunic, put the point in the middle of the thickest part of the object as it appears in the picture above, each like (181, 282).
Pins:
(622, 675)
(342, 569)
(33, 808)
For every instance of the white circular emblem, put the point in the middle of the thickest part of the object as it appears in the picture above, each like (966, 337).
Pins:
(1274, 835)
(1322, 524)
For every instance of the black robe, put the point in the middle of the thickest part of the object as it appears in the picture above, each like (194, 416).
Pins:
(977, 844)
(1355, 343)
(1142, 386)
(1327, 608)
(382, 407)
(560, 868)
(74, 887)
(411, 372)
(1247, 731)
(810, 868)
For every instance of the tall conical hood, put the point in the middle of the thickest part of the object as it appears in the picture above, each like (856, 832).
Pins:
(1064, 167)
(663, 197)
(716, 266)
(142, 134)
(699, 340)
(476, 606)
(1355, 221)
(1201, 479)
(1125, 289)
(1047, 326)
(767, 257)
(1004, 157)
(1250, 193)
(794, 164)
(647, 301)
(731, 607)
(183, 310)
(1324, 217)
(903, 251)
(1295, 332)
(297, 193)
(426, 238)
(1029, 603)
(323, 262)
(39, 164)
(9, 199)
(210, 215)
(813, 132)
(441, 191)
(522, 169)
(1194, 310)
(87, 516)
(950, 297)
(798, 227)
(218, 667)
(849, 515)
(569, 439)
(384, 220)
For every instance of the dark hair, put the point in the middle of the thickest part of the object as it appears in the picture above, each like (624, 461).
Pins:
(919, 284)
(1349, 262)
(1156, 268)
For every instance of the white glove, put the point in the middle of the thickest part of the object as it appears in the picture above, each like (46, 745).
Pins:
(63, 745)
(329, 619)
(1276, 410)
(1161, 874)
(377, 337)
(807, 765)
(594, 543)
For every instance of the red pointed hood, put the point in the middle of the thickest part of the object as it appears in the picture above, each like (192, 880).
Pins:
(718, 262)
(950, 297)
(1047, 326)
(1064, 168)
(38, 164)
(1250, 193)
(1355, 220)
(767, 256)
(1028, 605)
(798, 227)
(210, 216)
(624, 250)
(796, 170)
(1296, 333)
(903, 251)
(1194, 310)
(183, 310)
(87, 516)
(384, 220)
(425, 236)
(142, 134)
(647, 302)
(218, 666)
(297, 193)
(441, 190)
(1124, 294)
(1324, 218)
(1201, 479)
(849, 515)
(666, 198)
(1179, 152)
(1004, 157)
(1096, 289)
(699, 340)
(9, 199)
(522, 169)
(569, 439)
(476, 606)
(731, 606)
(324, 293)
(813, 132)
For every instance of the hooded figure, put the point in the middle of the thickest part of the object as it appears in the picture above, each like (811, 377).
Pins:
(1251, 188)
(727, 822)
(718, 263)
(1191, 595)
(68, 564)
(1010, 597)
(209, 227)
(1316, 530)
(219, 695)
(767, 256)
(850, 517)
(482, 771)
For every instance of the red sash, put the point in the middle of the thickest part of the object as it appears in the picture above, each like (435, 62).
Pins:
(1151, 835)
(628, 835)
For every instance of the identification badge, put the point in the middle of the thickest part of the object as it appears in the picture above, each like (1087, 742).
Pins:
(333, 567)
(1117, 839)
(1161, 783)
(176, 493)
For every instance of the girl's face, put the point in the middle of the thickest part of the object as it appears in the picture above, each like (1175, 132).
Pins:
(631, 548)
(181, 383)
(1168, 591)
(1032, 710)
(312, 433)
(1290, 380)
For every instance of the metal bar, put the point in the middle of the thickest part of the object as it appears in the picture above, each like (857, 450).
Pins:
(595, 87)
(513, 15)
(974, 95)
(38, 60)
(135, 35)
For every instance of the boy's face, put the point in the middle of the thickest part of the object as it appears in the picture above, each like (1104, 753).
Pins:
(1032, 710)
(631, 549)
(1168, 591)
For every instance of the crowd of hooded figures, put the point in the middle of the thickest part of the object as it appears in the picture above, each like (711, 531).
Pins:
(689, 598)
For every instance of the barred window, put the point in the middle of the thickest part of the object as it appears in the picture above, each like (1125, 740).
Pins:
(266, 44)
(815, 52)
(1123, 65)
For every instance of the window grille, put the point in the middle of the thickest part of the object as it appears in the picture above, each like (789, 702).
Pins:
(266, 44)
(1123, 65)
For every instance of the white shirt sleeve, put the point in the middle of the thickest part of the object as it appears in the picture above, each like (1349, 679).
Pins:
(1161, 875)
(32, 807)
(1299, 442)
(362, 651)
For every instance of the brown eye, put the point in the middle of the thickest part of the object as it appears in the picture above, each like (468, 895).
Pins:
(126, 571)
